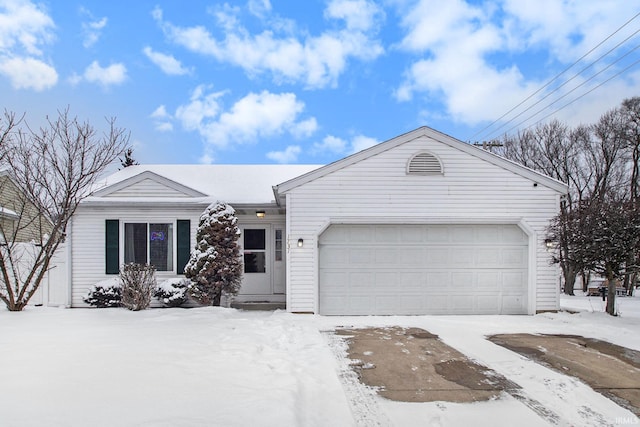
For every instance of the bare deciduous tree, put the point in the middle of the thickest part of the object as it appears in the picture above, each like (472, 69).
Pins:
(54, 168)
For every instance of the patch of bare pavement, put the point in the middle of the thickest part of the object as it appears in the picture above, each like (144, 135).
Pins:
(413, 365)
(612, 370)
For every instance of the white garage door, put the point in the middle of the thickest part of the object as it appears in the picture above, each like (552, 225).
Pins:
(423, 269)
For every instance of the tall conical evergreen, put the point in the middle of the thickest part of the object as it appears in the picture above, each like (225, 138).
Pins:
(215, 265)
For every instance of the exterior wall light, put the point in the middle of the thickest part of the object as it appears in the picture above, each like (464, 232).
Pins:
(550, 244)
(260, 214)
(300, 243)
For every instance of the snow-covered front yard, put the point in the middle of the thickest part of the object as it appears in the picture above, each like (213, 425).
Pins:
(223, 367)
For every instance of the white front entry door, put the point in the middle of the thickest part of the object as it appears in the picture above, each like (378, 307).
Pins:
(256, 279)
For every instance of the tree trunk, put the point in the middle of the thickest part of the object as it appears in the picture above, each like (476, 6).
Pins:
(569, 274)
(216, 300)
(586, 276)
(611, 294)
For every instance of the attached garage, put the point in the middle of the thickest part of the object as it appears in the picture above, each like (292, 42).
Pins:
(420, 224)
(369, 269)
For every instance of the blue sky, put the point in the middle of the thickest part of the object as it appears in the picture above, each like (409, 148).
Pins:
(312, 81)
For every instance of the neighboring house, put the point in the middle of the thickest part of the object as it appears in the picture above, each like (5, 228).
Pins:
(21, 223)
(20, 220)
(420, 224)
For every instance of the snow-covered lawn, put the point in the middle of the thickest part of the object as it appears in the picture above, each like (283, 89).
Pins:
(223, 367)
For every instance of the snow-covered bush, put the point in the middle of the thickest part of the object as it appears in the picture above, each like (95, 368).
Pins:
(215, 265)
(172, 292)
(106, 293)
(138, 283)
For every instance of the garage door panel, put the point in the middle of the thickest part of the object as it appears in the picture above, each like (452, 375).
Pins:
(461, 257)
(423, 269)
(488, 304)
(360, 234)
(361, 256)
(512, 304)
(386, 255)
(436, 257)
(489, 280)
(513, 257)
(410, 234)
(334, 256)
(437, 234)
(411, 256)
(386, 235)
(462, 279)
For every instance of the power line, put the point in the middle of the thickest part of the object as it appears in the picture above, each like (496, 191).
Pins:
(571, 79)
(585, 94)
(556, 77)
(571, 91)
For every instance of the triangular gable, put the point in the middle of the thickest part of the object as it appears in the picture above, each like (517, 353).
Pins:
(516, 168)
(148, 184)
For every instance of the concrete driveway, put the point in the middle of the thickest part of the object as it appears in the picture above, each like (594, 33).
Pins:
(414, 365)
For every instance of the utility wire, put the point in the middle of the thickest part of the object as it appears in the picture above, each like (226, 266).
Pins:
(556, 77)
(567, 82)
(581, 96)
(572, 90)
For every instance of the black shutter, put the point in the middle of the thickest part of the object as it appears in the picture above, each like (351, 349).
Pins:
(112, 250)
(184, 244)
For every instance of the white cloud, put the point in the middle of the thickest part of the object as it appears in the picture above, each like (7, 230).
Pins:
(457, 43)
(24, 29)
(361, 142)
(316, 61)
(162, 119)
(288, 155)
(335, 145)
(92, 29)
(114, 74)
(361, 15)
(259, 8)
(254, 117)
(167, 63)
(202, 108)
(29, 73)
(160, 113)
(24, 25)
(331, 144)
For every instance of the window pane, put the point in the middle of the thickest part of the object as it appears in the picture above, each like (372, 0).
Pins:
(254, 262)
(278, 245)
(254, 239)
(161, 246)
(135, 243)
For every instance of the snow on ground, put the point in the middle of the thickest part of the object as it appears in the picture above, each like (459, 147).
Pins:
(224, 367)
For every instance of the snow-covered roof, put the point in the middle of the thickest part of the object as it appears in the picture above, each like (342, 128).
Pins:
(250, 184)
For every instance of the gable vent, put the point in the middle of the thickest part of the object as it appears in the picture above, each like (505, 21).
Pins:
(424, 164)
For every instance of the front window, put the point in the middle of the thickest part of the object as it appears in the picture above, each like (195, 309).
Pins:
(149, 244)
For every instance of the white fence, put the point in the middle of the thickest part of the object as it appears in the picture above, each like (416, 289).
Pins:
(54, 288)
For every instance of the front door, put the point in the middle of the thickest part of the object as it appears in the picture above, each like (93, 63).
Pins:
(256, 279)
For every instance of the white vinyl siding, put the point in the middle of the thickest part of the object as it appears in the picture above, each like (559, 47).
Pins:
(88, 248)
(378, 190)
(147, 188)
(88, 236)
